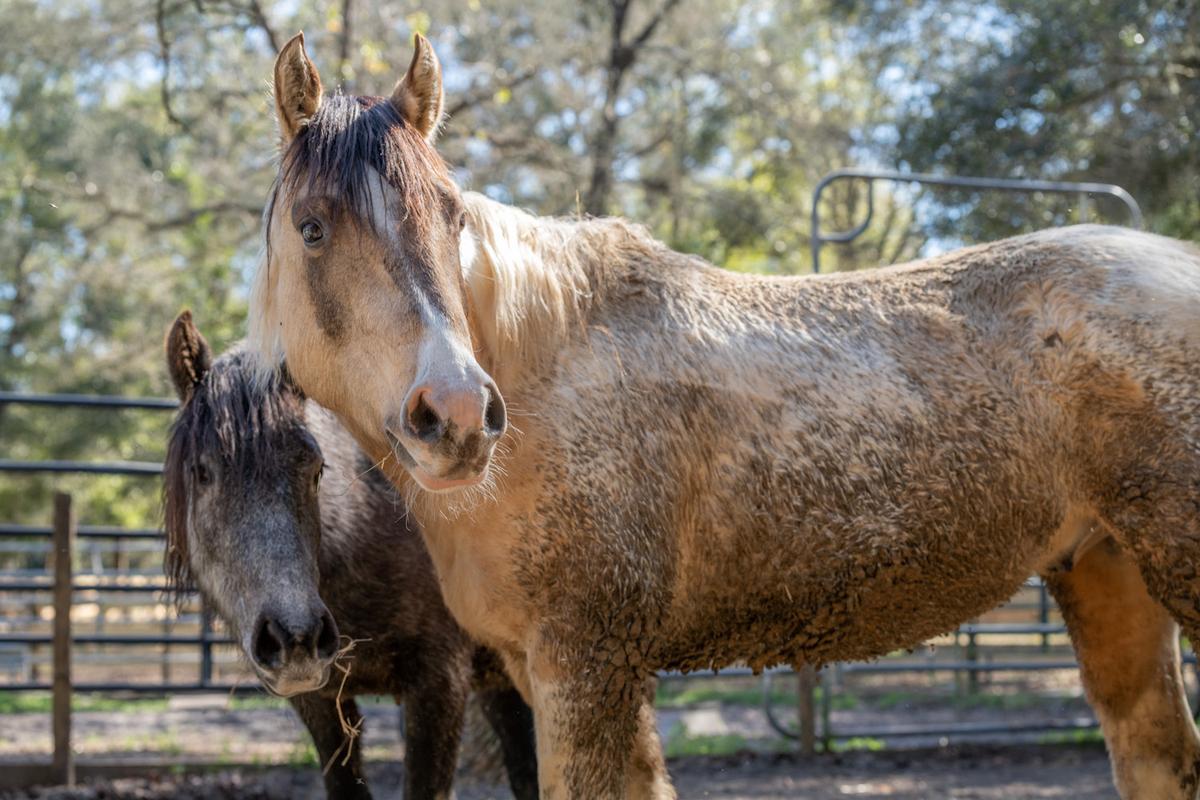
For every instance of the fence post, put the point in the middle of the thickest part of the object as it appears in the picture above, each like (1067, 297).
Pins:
(806, 710)
(64, 549)
(972, 659)
(1044, 612)
(830, 682)
(206, 662)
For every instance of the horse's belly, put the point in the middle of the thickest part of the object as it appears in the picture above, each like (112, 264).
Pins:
(839, 603)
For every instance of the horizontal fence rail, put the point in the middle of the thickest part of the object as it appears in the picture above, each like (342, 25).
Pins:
(88, 401)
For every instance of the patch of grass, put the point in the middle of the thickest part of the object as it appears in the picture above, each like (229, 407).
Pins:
(858, 743)
(254, 702)
(843, 701)
(1015, 701)
(683, 695)
(681, 742)
(41, 703)
(1082, 736)
(695, 694)
(303, 754)
(892, 700)
(162, 742)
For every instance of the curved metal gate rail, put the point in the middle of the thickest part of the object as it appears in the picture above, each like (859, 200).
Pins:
(1082, 189)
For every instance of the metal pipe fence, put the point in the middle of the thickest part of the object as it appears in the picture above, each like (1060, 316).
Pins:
(1080, 189)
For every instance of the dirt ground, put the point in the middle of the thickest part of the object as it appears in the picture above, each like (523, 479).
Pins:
(960, 773)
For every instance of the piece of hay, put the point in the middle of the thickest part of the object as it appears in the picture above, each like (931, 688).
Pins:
(350, 732)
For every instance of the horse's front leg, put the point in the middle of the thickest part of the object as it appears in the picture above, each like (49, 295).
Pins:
(596, 736)
(340, 756)
(434, 711)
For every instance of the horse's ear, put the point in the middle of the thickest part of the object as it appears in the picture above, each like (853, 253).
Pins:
(297, 89)
(419, 95)
(188, 356)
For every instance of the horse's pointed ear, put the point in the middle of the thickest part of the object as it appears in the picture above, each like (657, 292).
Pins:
(188, 356)
(297, 89)
(419, 95)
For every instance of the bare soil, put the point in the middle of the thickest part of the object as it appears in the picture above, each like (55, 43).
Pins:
(966, 772)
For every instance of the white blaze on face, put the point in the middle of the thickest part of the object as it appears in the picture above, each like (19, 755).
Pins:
(443, 358)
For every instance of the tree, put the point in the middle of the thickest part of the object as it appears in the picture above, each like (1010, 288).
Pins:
(1105, 90)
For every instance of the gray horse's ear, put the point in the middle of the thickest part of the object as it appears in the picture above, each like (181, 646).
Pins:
(189, 357)
(297, 89)
(418, 95)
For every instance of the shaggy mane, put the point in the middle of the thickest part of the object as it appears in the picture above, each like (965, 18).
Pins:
(535, 280)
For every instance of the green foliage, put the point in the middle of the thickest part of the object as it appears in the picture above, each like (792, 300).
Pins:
(1057, 89)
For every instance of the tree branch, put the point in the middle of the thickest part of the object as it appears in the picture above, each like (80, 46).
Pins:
(344, 44)
(654, 22)
(164, 55)
(260, 17)
(481, 94)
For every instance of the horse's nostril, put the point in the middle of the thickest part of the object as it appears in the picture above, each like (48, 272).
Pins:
(327, 637)
(495, 417)
(268, 646)
(423, 421)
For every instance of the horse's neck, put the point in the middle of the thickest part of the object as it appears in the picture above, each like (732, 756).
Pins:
(531, 282)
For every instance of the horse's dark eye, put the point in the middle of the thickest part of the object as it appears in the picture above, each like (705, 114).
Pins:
(203, 476)
(462, 220)
(311, 231)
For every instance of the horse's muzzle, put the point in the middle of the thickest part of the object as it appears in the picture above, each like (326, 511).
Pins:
(445, 437)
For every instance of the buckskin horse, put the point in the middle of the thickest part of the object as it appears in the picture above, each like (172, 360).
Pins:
(704, 468)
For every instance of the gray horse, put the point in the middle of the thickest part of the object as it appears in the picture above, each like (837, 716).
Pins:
(281, 554)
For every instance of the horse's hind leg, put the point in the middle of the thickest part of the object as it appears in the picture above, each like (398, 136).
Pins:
(1128, 651)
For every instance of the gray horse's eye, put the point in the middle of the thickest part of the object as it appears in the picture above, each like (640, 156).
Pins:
(203, 476)
(311, 232)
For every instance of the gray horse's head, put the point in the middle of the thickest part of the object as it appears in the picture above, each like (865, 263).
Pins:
(241, 511)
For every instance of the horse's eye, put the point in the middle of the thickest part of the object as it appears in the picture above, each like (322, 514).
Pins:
(203, 476)
(462, 220)
(311, 231)
(317, 477)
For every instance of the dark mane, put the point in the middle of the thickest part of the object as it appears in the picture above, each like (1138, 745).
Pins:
(234, 416)
(333, 155)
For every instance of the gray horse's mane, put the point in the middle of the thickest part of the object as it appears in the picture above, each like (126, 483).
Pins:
(234, 416)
